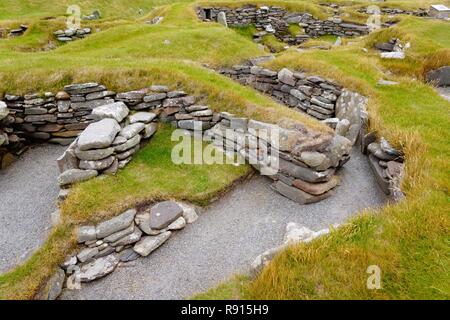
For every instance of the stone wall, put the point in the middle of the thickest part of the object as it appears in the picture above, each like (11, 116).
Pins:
(313, 95)
(276, 20)
(396, 11)
(72, 34)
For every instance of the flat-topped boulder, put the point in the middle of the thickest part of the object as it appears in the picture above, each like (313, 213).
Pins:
(98, 135)
(116, 224)
(144, 117)
(164, 213)
(117, 111)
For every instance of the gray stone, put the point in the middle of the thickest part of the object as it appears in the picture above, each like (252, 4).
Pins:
(164, 213)
(202, 113)
(287, 76)
(143, 221)
(150, 130)
(128, 144)
(116, 224)
(117, 111)
(55, 285)
(87, 254)
(379, 174)
(313, 158)
(95, 154)
(98, 268)
(159, 88)
(128, 255)
(193, 125)
(127, 154)
(155, 97)
(98, 135)
(297, 94)
(178, 224)
(144, 117)
(86, 233)
(83, 88)
(97, 164)
(316, 188)
(131, 130)
(40, 118)
(150, 243)
(120, 234)
(90, 105)
(342, 127)
(441, 76)
(99, 95)
(75, 175)
(129, 239)
(305, 174)
(338, 147)
(298, 195)
(112, 170)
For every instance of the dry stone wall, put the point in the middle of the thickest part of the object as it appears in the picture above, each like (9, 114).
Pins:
(276, 20)
(311, 94)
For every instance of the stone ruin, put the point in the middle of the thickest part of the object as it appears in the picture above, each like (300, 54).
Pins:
(276, 20)
(72, 34)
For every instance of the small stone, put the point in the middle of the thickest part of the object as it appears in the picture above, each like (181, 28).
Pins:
(150, 130)
(71, 261)
(95, 154)
(129, 239)
(55, 285)
(316, 188)
(128, 255)
(148, 244)
(178, 224)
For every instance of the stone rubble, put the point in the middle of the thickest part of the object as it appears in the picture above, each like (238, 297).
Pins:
(72, 34)
(110, 244)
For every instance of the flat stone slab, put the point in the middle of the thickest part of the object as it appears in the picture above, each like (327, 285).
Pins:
(131, 130)
(117, 111)
(144, 117)
(149, 244)
(116, 224)
(98, 268)
(75, 175)
(164, 213)
(98, 135)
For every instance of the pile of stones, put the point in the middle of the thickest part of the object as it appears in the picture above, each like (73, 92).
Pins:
(276, 20)
(107, 145)
(396, 11)
(313, 95)
(72, 34)
(387, 165)
(115, 242)
(17, 32)
(306, 161)
(393, 49)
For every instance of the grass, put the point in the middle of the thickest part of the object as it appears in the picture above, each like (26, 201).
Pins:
(409, 241)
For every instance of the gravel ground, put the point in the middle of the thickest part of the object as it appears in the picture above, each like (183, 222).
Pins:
(229, 235)
(28, 191)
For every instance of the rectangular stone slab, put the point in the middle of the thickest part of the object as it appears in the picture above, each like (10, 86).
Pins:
(98, 135)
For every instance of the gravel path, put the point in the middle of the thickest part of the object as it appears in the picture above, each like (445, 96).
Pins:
(28, 192)
(229, 235)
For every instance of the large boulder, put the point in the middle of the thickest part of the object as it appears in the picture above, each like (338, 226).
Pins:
(116, 110)
(98, 135)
